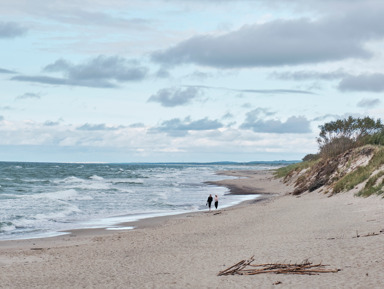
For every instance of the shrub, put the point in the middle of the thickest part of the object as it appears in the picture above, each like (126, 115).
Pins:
(311, 157)
(338, 136)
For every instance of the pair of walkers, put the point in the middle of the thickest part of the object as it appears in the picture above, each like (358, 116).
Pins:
(210, 200)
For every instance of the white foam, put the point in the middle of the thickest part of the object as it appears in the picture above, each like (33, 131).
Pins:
(119, 228)
(34, 236)
(64, 195)
(97, 178)
(58, 214)
(7, 227)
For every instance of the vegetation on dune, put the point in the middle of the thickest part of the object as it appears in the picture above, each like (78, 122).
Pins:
(351, 152)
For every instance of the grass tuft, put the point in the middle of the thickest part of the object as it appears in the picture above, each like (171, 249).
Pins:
(360, 175)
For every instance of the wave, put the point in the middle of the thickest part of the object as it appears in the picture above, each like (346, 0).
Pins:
(9, 196)
(68, 180)
(97, 178)
(64, 195)
(7, 227)
(127, 181)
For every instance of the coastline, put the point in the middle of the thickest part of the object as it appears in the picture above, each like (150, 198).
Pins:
(187, 251)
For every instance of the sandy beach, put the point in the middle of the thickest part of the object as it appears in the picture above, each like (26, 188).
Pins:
(189, 250)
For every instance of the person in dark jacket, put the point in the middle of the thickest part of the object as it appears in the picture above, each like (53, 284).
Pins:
(209, 201)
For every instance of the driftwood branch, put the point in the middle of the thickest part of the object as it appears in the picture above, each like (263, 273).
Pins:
(245, 267)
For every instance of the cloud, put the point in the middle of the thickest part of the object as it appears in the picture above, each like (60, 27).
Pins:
(256, 91)
(369, 102)
(309, 75)
(51, 123)
(96, 127)
(328, 117)
(11, 30)
(6, 71)
(280, 42)
(363, 82)
(82, 17)
(29, 95)
(171, 97)
(162, 73)
(137, 125)
(177, 127)
(255, 121)
(370, 82)
(102, 71)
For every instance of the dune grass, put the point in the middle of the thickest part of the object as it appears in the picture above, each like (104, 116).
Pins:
(285, 171)
(362, 174)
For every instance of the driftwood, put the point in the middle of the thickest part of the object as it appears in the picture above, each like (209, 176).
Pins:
(245, 267)
(368, 235)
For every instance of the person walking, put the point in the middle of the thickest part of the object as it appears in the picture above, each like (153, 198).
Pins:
(216, 201)
(209, 201)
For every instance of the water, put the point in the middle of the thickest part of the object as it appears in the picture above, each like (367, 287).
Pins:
(42, 199)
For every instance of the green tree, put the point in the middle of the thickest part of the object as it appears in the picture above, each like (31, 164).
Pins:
(338, 136)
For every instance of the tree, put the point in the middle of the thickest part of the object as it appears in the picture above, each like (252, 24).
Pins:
(338, 136)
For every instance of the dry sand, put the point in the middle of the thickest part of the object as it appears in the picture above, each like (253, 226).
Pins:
(188, 251)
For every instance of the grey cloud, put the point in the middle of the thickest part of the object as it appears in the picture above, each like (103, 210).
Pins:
(1, 118)
(51, 123)
(102, 71)
(163, 73)
(373, 82)
(363, 82)
(198, 75)
(369, 102)
(177, 127)
(228, 115)
(29, 95)
(256, 91)
(246, 105)
(96, 127)
(137, 125)
(63, 81)
(78, 14)
(82, 17)
(11, 30)
(255, 121)
(101, 68)
(6, 71)
(328, 117)
(309, 75)
(281, 42)
(171, 97)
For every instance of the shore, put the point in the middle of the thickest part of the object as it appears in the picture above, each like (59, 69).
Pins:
(189, 250)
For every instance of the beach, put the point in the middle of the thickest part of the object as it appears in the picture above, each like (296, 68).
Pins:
(189, 250)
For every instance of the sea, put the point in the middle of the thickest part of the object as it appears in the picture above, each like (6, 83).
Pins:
(48, 199)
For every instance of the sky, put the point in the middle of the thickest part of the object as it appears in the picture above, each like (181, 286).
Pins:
(183, 81)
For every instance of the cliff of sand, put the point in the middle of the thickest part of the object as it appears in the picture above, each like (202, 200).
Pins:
(360, 169)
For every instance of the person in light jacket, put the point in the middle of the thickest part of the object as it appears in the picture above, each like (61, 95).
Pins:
(216, 201)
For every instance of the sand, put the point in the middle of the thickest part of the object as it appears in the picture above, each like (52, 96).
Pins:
(188, 251)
